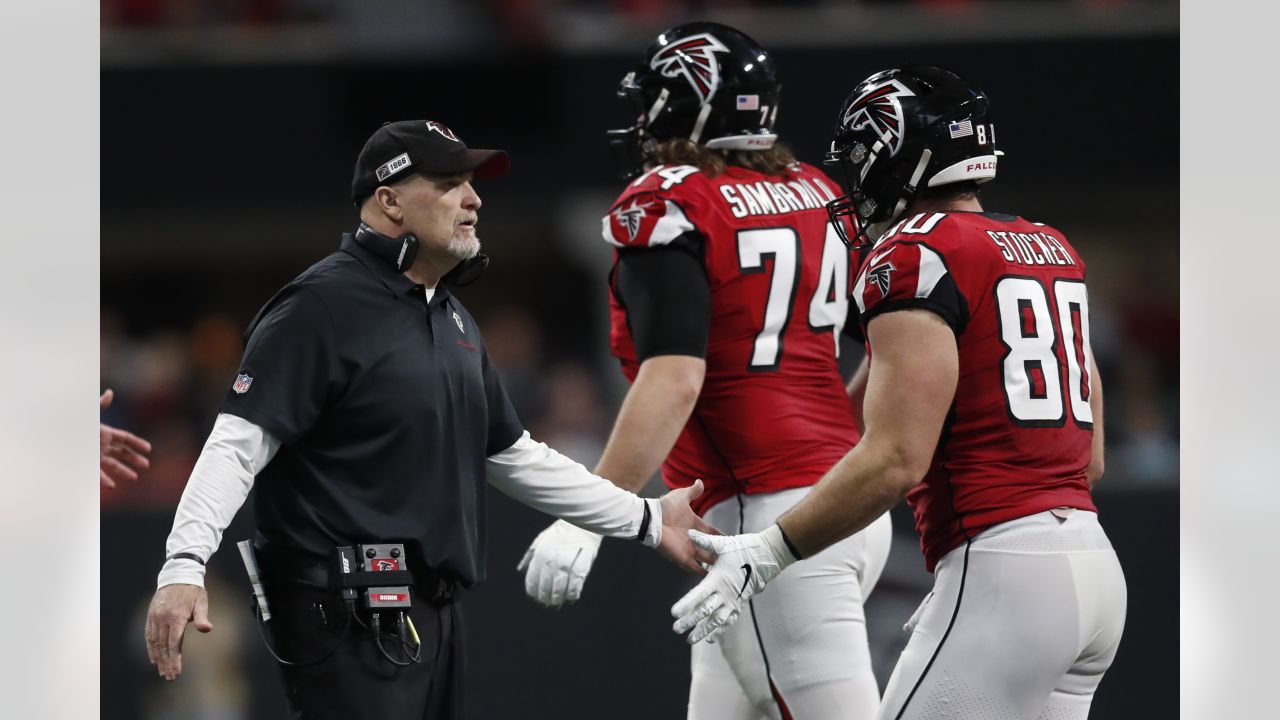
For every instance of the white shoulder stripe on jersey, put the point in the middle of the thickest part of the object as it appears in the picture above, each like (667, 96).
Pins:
(932, 270)
(607, 231)
(670, 226)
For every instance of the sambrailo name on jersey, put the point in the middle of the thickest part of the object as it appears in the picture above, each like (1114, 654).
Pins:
(775, 198)
(1031, 248)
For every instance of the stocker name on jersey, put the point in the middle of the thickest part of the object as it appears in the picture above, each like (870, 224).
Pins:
(1038, 248)
(775, 198)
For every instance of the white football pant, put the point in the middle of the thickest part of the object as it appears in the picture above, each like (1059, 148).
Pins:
(1041, 607)
(799, 649)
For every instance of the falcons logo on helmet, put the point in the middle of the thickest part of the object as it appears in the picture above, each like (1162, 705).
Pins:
(434, 126)
(630, 217)
(880, 108)
(694, 58)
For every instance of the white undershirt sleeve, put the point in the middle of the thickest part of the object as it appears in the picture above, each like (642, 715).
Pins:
(236, 451)
(549, 482)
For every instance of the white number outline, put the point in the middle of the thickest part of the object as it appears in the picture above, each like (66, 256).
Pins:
(1068, 294)
(833, 275)
(763, 244)
(776, 243)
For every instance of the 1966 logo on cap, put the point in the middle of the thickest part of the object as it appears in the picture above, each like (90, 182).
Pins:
(392, 166)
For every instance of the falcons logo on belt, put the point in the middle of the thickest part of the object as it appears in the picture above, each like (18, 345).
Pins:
(694, 58)
(434, 126)
(630, 217)
(880, 108)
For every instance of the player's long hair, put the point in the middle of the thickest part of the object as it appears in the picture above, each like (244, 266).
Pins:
(777, 160)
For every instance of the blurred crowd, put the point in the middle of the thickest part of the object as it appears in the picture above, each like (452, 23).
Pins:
(522, 21)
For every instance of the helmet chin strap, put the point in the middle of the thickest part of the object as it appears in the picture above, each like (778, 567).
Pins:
(911, 185)
(698, 124)
(657, 106)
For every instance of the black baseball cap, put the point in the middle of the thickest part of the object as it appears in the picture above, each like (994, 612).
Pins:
(397, 150)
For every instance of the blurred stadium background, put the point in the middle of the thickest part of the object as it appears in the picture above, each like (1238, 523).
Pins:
(229, 128)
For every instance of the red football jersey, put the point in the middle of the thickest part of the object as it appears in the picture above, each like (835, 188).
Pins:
(773, 413)
(1020, 432)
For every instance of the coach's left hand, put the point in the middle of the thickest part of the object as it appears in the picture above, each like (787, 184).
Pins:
(678, 518)
(171, 609)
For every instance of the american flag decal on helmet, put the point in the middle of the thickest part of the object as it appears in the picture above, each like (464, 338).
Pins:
(694, 59)
(880, 108)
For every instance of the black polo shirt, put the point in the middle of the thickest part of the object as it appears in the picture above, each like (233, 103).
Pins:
(386, 407)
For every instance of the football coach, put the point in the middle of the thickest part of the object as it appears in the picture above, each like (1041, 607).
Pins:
(368, 415)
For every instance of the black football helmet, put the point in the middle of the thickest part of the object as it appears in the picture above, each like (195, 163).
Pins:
(903, 129)
(702, 81)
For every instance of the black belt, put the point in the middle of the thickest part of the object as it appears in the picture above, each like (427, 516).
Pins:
(427, 583)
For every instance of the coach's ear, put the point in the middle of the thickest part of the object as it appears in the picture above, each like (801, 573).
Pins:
(387, 201)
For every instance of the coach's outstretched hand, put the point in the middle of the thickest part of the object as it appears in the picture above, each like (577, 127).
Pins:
(745, 564)
(678, 519)
(171, 609)
(122, 455)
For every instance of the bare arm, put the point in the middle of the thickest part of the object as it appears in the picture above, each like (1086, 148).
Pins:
(857, 390)
(909, 391)
(1097, 461)
(651, 418)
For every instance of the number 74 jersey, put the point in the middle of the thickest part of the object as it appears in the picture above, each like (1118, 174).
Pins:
(772, 413)
(1019, 435)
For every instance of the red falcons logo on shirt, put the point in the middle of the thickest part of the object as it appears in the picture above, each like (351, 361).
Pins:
(879, 276)
(694, 58)
(434, 126)
(630, 217)
(880, 108)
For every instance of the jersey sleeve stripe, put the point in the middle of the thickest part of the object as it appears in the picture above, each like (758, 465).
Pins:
(932, 269)
(670, 226)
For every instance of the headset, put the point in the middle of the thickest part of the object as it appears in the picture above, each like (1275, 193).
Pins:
(400, 252)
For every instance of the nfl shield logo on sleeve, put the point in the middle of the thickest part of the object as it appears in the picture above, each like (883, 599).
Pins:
(242, 383)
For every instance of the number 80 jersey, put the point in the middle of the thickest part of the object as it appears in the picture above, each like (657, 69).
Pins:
(1019, 435)
(772, 413)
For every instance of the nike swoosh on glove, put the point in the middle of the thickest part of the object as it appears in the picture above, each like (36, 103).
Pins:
(744, 565)
(558, 562)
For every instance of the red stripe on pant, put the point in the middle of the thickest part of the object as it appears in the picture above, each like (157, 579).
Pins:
(782, 704)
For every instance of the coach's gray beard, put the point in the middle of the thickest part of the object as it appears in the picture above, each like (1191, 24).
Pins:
(463, 248)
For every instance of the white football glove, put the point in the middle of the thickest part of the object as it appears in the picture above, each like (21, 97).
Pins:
(558, 561)
(745, 563)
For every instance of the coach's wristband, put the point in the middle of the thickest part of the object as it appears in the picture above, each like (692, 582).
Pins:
(651, 524)
(185, 556)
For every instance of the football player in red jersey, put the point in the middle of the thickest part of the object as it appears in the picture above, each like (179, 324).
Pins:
(728, 295)
(983, 407)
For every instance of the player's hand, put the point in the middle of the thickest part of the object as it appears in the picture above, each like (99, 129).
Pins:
(678, 518)
(171, 609)
(122, 455)
(557, 562)
(745, 563)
